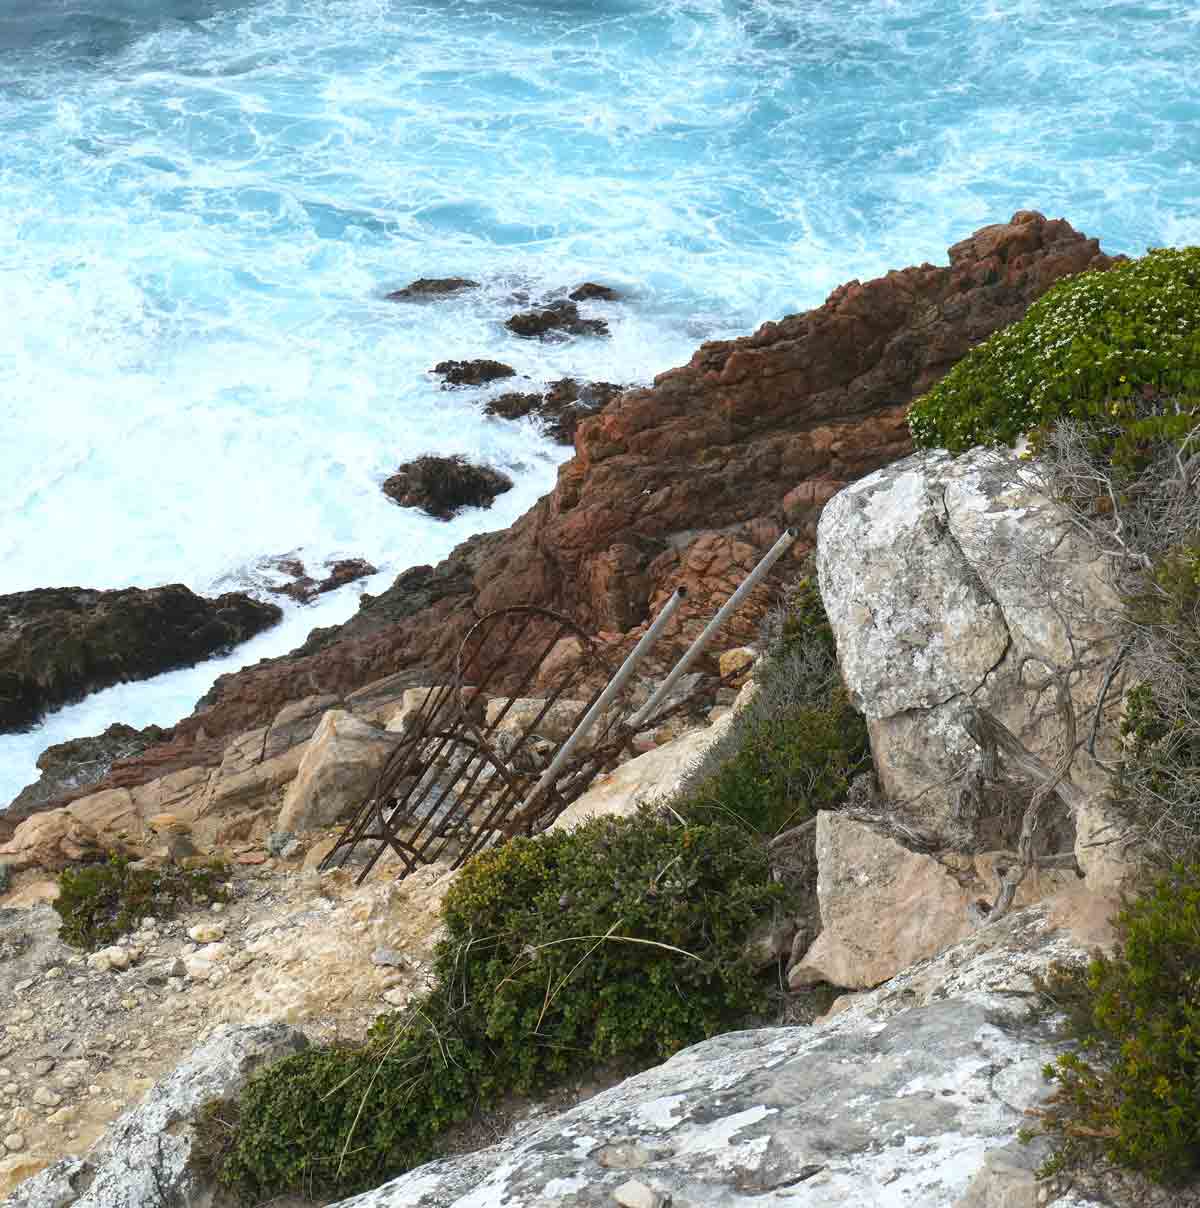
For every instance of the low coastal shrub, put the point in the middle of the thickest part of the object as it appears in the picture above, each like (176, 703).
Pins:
(98, 903)
(1091, 343)
(622, 939)
(1131, 1086)
(797, 745)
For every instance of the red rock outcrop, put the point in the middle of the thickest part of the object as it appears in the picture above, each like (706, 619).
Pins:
(690, 480)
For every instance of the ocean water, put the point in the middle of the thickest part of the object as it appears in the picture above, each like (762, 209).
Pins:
(204, 202)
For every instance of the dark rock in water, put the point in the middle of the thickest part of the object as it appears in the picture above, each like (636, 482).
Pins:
(472, 373)
(431, 287)
(568, 402)
(560, 409)
(589, 291)
(82, 761)
(304, 588)
(513, 405)
(442, 486)
(554, 321)
(57, 644)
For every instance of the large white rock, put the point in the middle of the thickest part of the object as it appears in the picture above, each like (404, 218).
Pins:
(657, 773)
(145, 1158)
(341, 762)
(951, 581)
(895, 1103)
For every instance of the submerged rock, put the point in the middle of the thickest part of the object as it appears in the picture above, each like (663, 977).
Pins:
(59, 644)
(560, 409)
(427, 288)
(443, 486)
(554, 321)
(589, 291)
(472, 373)
(304, 588)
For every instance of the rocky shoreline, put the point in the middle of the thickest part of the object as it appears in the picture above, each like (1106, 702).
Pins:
(686, 482)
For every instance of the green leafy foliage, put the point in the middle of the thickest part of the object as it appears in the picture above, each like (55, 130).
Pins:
(621, 939)
(798, 745)
(1092, 345)
(1132, 1086)
(786, 769)
(336, 1120)
(98, 903)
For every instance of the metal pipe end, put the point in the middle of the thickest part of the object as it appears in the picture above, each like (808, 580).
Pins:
(681, 591)
(793, 531)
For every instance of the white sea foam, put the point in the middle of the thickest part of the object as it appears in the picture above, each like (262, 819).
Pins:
(205, 201)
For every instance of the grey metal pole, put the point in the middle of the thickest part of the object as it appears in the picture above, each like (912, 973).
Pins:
(749, 583)
(604, 699)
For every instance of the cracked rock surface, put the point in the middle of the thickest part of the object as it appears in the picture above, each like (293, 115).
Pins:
(951, 581)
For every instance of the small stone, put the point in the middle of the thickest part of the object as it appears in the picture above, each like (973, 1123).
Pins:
(55, 972)
(64, 1115)
(278, 840)
(24, 1015)
(388, 957)
(736, 661)
(129, 1002)
(43, 1066)
(206, 933)
(110, 958)
(293, 850)
(14, 1142)
(634, 1194)
(217, 907)
(43, 1096)
(22, 986)
(397, 997)
(11, 1088)
(148, 923)
(21, 1118)
(178, 969)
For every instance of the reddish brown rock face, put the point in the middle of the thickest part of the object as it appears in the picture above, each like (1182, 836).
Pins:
(690, 480)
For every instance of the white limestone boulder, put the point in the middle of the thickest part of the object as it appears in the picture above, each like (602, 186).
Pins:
(951, 582)
(340, 765)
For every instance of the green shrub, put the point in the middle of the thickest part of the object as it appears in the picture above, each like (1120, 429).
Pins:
(785, 769)
(795, 748)
(1132, 1088)
(1092, 343)
(621, 939)
(335, 1121)
(99, 903)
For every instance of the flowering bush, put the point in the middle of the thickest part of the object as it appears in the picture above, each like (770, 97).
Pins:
(1092, 342)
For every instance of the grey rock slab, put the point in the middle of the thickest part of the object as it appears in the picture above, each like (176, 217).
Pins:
(144, 1160)
(894, 1103)
(58, 1186)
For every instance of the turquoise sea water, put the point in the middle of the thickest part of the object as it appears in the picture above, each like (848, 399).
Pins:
(204, 201)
